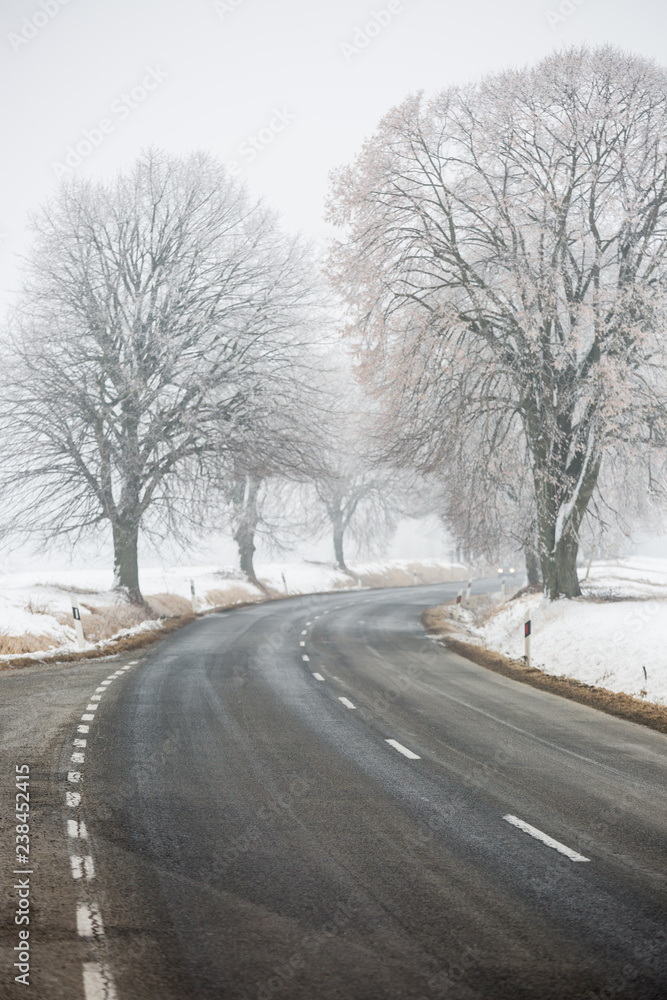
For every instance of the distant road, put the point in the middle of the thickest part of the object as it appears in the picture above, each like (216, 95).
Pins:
(312, 799)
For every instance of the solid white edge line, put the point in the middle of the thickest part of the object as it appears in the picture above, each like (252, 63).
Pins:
(346, 702)
(532, 831)
(404, 750)
(318, 677)
(97, 984)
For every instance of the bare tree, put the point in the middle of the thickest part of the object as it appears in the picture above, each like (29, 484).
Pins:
(505, 271)
(161, 328)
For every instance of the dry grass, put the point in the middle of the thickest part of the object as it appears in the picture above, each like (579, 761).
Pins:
(168, 605)
(125, 644)
(231, 597)
(437, 621)
(11, 645)
(404, 576)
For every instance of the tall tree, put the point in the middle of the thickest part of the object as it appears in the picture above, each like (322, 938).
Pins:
(162, 320)
(505, 270)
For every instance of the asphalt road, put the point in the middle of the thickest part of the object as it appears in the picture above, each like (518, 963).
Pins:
(254, 834)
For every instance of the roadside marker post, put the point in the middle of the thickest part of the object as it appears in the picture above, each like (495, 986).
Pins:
(78, 627)
(458, 603)
(527, 629)
(468, 590)
(194, 597)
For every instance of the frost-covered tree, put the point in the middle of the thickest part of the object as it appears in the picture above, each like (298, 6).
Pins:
(505, 269)
(164, 320)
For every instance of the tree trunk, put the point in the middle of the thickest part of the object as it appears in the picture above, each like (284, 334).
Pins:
(338, 532)
(246, 518)
(125, 560)
(532, 565)
(559, 545)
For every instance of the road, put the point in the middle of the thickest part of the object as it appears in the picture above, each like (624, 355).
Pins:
(252, 832)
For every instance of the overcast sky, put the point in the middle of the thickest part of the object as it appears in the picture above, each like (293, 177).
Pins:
(283, 72)
(284, 90)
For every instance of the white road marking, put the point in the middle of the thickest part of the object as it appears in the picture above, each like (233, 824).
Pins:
(305, 657)
(87, 718)
(77, 829)
(74, 777)
(318, 677)
(305, 632)
(83, 729)
(78, 758)
(96, 697)
(80, 743)
(96, 984)
(549, 841)
(308, 623)
(88, 920)
(347, 703)
(132, 663)
(82, 866)
(73, 799)
(92, 707)
(302, 643)
(403, 750)
(100, 688)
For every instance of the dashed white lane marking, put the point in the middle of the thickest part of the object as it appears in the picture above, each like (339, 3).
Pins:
(96, 697)
(83, 729)
(305, 658)
(87, 717)
(88, 920)
(92, 707)
(100, 688)
(404, 750)
(347, 703)
(106, 683)
(305, 632)
(73, 799)
(74, 777)
(308, 623)
(80, 743)
(77, 829)
(302, 643)
(318, 677)
(97, 985)
(532, 831)
(82, 866)
(78, 758)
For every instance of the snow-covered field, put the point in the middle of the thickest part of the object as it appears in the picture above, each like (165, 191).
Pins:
(36, 607)
(615, 636)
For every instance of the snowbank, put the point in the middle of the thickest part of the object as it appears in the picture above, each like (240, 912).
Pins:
(615, 636)
(36, 609)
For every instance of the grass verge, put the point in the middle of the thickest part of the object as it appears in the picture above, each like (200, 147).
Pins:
(436, 621)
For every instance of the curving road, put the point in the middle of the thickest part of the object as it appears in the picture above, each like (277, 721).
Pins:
(312, 799)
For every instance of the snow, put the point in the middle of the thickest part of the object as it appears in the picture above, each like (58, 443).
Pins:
(38, 603)
(605, 638)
